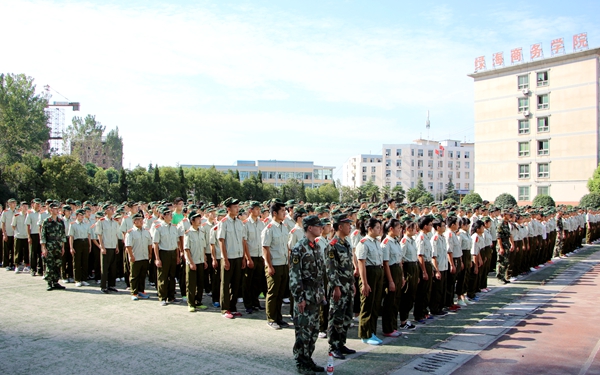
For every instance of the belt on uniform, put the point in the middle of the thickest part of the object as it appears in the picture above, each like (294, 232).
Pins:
(166, 250)
(380, 266)
(395, 265)
(80, 239)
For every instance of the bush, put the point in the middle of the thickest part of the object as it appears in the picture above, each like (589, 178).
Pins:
(426, 198)
(542, 200)
(591, 200)
(471, 198)
(449, 202)
(505, 200)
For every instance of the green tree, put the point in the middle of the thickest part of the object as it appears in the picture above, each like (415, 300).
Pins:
(123, 185)
(505, 200)
(293, 189)
(183, 184)
(349, 195)
(591, 200)
(114, 148)
(398, 193)
(472, 198)
(65, 177)
(23, 120)
(385, 192)
(139, 181)
(593, 183)
(542, 200)
(426, 198)
(450, 192)
(156, 183)
(84, 138)
(91, 169)
(23, 181)
(113, 175)
(413, 194)
(369, 191)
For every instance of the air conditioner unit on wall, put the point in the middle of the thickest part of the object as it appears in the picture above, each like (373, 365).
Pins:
(526, 91)
(526, 113)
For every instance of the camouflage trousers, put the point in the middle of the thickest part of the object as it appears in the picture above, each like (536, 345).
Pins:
(306, 326)
(340, 316)
(502, 265)
(53, 261)
(559, 247)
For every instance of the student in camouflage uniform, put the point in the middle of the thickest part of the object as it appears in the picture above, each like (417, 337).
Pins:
(340, 276)
(53, 240)
(306, 286)
(560, 235)
(505, 246)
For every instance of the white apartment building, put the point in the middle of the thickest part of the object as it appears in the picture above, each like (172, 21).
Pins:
(435, 162)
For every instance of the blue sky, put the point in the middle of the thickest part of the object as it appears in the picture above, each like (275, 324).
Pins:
(203, 82)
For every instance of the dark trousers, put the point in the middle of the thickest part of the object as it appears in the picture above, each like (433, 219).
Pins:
(486, 254)
(195, 281)
(8, 259)
(94, 262)
(423, 292)
(216, 282)
(137, 280)
(119, 259)
(461, 277)
(409, 292)
(451, 283)
(66, 267)
(127, 269)
(108, 269)
(370, 305)
(166, 275)
(391, 300)
(438, 292)
(276, 286)
(21, 251)
(473, 280)
(252, 284)
(208, 273)
(231, 284)
(35, 255)
(181, 272)
(80, 260)
(152, 272)
(356, 306)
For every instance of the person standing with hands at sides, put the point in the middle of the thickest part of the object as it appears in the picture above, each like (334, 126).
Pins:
(194, 245)
(166, 253)
(506, 245)
(411, 273)
(8, 234)
(425, 253)
(21, 239)
(254, 276)
(462, 279)
(275, 253)
(33, 230)
(231, 239)
(79, 240)
(454, 261)
(370, 266)
(477, 244)
(107, 230)
(53, 240)
(138, 244)
(340, 277)
(440, 266)
(394, 277)
(306, 286)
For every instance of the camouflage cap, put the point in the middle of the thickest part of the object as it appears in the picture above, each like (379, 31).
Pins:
(342, 218)
(66, 208)
(325, 221)
(221, 212)
(299, 210)
(230, 201)
(312, 221)
(193, 215)
(137, 216)
(254, 204)
(54, 205)
(80, 212)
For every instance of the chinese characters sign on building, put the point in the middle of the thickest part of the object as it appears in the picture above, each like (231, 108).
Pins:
(536, 52)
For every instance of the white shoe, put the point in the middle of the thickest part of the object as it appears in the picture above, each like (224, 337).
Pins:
(71, 280)
(97, 282)
(84, 283)
(541, 266)
(240, 300)
(26, 270)
(16, 270)
(532, 269)
(512, 279)
(461, 303)
(322, 335)
(286, 300)
(78, 284)
(65, 281)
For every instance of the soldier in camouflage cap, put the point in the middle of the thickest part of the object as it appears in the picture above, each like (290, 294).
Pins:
(53, 240)
(306, 286)
(340, 276)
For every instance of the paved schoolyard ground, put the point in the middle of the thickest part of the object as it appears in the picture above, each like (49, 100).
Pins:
(81, 330)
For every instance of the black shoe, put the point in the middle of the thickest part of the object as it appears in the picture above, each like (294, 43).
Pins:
(112, 289)
(175, 301)
(105, 291)
(440, 313)
(337, 353)
(249, 310)
(283, 324)
(259, 307)
(345, 350)
(58, 286)
(305, 370)
(315, 367)
(49, 287)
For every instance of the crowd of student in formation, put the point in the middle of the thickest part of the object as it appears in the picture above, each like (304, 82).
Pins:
(429, 259)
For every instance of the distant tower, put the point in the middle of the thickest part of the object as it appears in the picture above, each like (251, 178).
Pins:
(427, 124)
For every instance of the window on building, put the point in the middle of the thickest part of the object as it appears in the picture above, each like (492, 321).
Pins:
(430, 185)
(458, 154)
(544, 147)
(543, 124)
(412, 163)
(420, 153)
(441, 164)
(523, 170)
(457, 175)
(543, 170)
(364, 160)
(543, 190)
(542, 78)
(364, 169)
(388, 152)
(467, 164)
(523, 126)
(308, 176)
(467, 175)
(398, 173)
(450, 175)
(420, 163)
(398, 163)
(430, 164)
(387, 163)
(398, 152)
(388, 173)
(420, 174)
(457, 186)
(523, 105)
(430, 153)
(458, 165)
(467, 154)
(441, 174)
(523, 193)
(373, 169)
(523, 148)
(398, 183)
(543, 101)
(523, 82)
(451, 154)
(467, 186)
(412, 184)
(430, 175)
(373, 178)
(412, 173)
(412, 152)
(450, 164)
